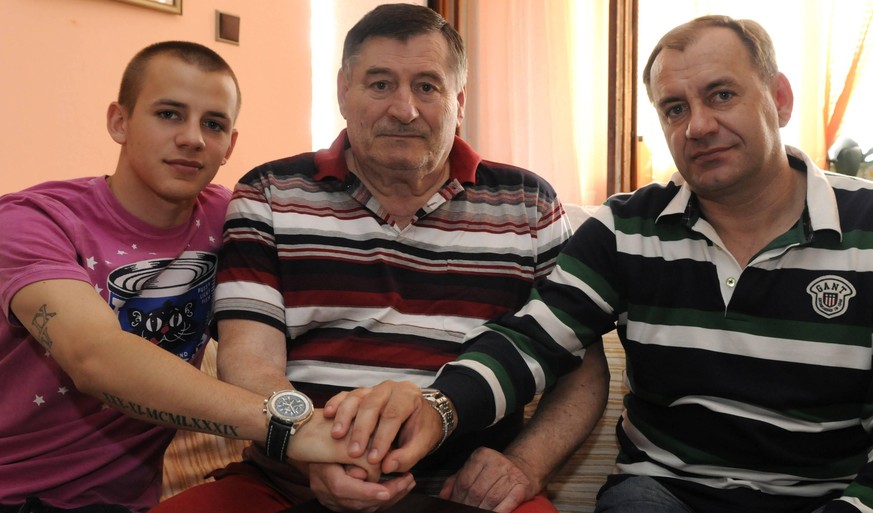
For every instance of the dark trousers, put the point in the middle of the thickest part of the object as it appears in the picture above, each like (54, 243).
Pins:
(34, 505)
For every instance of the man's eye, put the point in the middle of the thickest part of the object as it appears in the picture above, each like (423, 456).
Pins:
(674, 111)
(427, 88)
(168, 114)
(214, 126)
(724, 96)
(380, 85)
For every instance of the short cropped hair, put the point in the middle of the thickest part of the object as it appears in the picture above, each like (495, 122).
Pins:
(401, 22)
(191, 53)
(751, 33)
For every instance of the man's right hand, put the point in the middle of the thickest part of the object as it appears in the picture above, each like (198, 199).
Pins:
(391, 414)
(342, 488)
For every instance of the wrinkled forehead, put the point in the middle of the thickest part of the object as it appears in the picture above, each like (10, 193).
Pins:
(716, 53)
(428, 52)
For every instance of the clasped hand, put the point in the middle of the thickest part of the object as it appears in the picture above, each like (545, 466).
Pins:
(393, 426)
(391, 422)
(389, 428)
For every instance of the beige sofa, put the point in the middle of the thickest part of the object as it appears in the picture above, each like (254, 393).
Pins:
(192, 455)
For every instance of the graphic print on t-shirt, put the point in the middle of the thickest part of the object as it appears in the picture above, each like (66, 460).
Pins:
(167, 301)
(166, 325)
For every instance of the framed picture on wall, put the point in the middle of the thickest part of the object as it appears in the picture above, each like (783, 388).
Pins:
(173, 6)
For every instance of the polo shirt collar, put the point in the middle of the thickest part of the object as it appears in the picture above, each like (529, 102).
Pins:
(821, 202)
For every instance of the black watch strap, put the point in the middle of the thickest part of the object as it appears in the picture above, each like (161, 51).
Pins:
(278, 437)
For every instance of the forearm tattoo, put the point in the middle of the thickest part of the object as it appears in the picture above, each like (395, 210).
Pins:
(40, 324)
(168, 418)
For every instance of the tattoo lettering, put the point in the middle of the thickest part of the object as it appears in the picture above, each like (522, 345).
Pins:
(40, 323)
(164, 417)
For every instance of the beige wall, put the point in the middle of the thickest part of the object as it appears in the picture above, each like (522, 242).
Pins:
(61, 61)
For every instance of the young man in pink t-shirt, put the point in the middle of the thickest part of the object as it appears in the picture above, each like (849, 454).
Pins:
(106, 288)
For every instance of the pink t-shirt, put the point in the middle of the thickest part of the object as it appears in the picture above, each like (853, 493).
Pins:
(60, 445)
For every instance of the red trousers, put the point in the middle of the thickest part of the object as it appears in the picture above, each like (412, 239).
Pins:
(241, 493)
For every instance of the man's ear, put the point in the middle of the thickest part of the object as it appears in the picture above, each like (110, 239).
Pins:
(784, 98)
(342, 87)
(462, 100)
(233, 136)
(116, 122)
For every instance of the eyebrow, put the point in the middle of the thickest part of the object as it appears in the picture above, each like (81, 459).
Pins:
(719, 83)
(378, 71)
(432, 75)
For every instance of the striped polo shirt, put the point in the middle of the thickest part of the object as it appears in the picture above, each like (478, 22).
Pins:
(309, 250)
(749, 388)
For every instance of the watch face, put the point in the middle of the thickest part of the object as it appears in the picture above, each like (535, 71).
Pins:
(291, 406)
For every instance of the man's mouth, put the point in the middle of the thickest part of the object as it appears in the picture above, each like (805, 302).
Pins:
(400, 131)
(401, 134)
(709, 153)
(185, 164)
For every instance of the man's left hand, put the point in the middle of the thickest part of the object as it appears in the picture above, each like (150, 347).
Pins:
(344, 489)
(490, 480)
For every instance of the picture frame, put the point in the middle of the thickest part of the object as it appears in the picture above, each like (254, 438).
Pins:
(227, 27)
(170, 6)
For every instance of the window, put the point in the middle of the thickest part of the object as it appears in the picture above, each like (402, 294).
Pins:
(805, 47)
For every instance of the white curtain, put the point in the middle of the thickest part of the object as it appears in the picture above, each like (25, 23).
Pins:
(537, 89)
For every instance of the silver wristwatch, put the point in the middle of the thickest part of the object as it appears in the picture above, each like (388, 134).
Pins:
(441, 404)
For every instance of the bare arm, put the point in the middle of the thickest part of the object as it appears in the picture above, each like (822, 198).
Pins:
(563, 420)
(128, 373)
(69, 319)
(252, 355)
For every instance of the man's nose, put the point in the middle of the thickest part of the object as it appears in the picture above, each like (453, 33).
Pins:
(191, 135)
(701, 122)
(403, 106)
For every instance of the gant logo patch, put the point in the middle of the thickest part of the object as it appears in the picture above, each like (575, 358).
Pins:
(830, 295)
